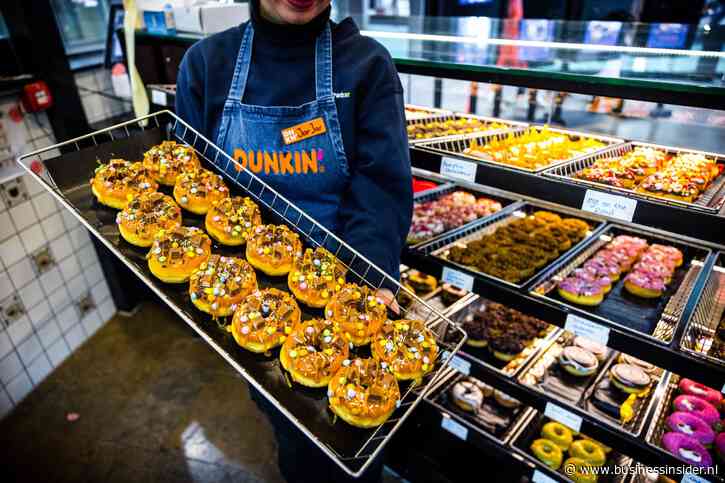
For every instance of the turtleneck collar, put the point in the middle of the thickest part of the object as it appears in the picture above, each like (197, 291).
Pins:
(287, 34)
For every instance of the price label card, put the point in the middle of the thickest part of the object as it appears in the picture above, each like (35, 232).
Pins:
(158, 97)
(458, 279)
(461, 365)
(587, 329)
(612, 206)
(563, 416)
(454, 427)
(539, 477)
(691, 478)
(458, 169)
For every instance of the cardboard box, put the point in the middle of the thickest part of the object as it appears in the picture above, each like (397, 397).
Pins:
(210, 18)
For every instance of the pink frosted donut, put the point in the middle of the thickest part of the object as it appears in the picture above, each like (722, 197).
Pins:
(686, 448)
(646, 280)
(583, 287)
(671, 253)
(697, 406)
(604, 267)
(688, 386)
(691, 425)
(653, 258)
(720, 446)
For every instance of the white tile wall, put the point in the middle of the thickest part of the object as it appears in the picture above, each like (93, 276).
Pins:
(92, 84)
(51, 328)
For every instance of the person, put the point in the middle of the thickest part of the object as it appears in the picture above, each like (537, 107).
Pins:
(326, 103)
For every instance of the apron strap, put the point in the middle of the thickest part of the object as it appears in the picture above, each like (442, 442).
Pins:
(323, 64)
(241, 68)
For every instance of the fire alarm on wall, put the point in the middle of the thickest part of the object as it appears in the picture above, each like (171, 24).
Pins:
(37, 97)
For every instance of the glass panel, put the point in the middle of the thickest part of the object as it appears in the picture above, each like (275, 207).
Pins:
(82, 24)
(3, 28)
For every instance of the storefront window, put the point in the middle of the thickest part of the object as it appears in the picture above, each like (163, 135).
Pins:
(82, 24)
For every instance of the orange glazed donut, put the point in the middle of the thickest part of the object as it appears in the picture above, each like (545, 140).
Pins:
(314, 352)
(146, 214)
(115, 183)
(363, 394)
(406, 346)
(218, 285)
(315, 277)
(197, 190)
(230, 221)
(272, 248)
(264, 318)
(176, 253)
(358, 312)
(168, 160)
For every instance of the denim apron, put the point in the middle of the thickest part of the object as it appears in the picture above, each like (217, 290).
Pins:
(308, 169)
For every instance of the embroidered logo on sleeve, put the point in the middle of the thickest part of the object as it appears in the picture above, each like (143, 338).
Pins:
(305, 130)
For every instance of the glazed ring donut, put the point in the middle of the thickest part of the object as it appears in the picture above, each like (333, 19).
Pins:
(230, 221)
(218, 285)
(557, 433)
(314, 352)
(576, 471)
(688, 386)
(691, 425)
(168, 160)
(119, 181)
(362, 393)
(264, 319)
(197, 190)
(467, 396)
(272, 248)
(407, 346)
(547, 452)
(176, 253)
(146, 214)
(315, 276)
(589, 451)
(358, 312)
(697, 406)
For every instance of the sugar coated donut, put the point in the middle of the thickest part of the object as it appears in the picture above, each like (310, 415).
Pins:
(576, 471)
(358, 311)
(197, 190)
(272, 248)
(264, 319)
(686, 448)
(589, 451)
(362, 393)
(629, 378)
(168, 160)
(314, 352)
(176, 253)
(557, 433)
(146, 214)
(315, 277)
(691, 425)
(578, 361)
(697, 406)
(407, 346)
(119, 181)
(547, 452)
(230, 221)
(688, 386)
(219, 284)
(467, 396)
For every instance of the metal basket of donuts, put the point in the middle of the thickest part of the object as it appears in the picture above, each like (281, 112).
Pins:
(689, 424)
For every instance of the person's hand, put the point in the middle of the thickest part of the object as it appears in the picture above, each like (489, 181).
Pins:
(386, 295)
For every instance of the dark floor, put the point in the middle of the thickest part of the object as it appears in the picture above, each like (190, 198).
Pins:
(155, 404)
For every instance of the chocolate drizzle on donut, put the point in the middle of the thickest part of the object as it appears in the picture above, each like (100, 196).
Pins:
(222, 279)
(236, 216)
(120, 178)
(149, 213)
(178, 245)
(169, 159)
(317, 270)
(315, 348)
(407, 345)
(275, 244)
(266, 316)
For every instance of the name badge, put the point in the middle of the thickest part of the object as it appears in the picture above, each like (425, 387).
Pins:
(305, 130)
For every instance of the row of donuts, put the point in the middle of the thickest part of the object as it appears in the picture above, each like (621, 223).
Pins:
(316, 353)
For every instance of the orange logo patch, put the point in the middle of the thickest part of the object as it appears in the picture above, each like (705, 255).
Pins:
(304, 130)
(289, 162)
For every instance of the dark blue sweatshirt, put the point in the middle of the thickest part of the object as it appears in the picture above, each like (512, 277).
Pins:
(377, 206)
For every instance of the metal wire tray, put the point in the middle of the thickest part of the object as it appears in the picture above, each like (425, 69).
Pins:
(66, 176)
(529, 430)
(656, 425)
(438, 398)
(699, 335)
(482, 356)
(443, 190)
(455, 116)
(440, 247)
(426, 113)
(656, 319)
(709, 201)
(455, 146)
